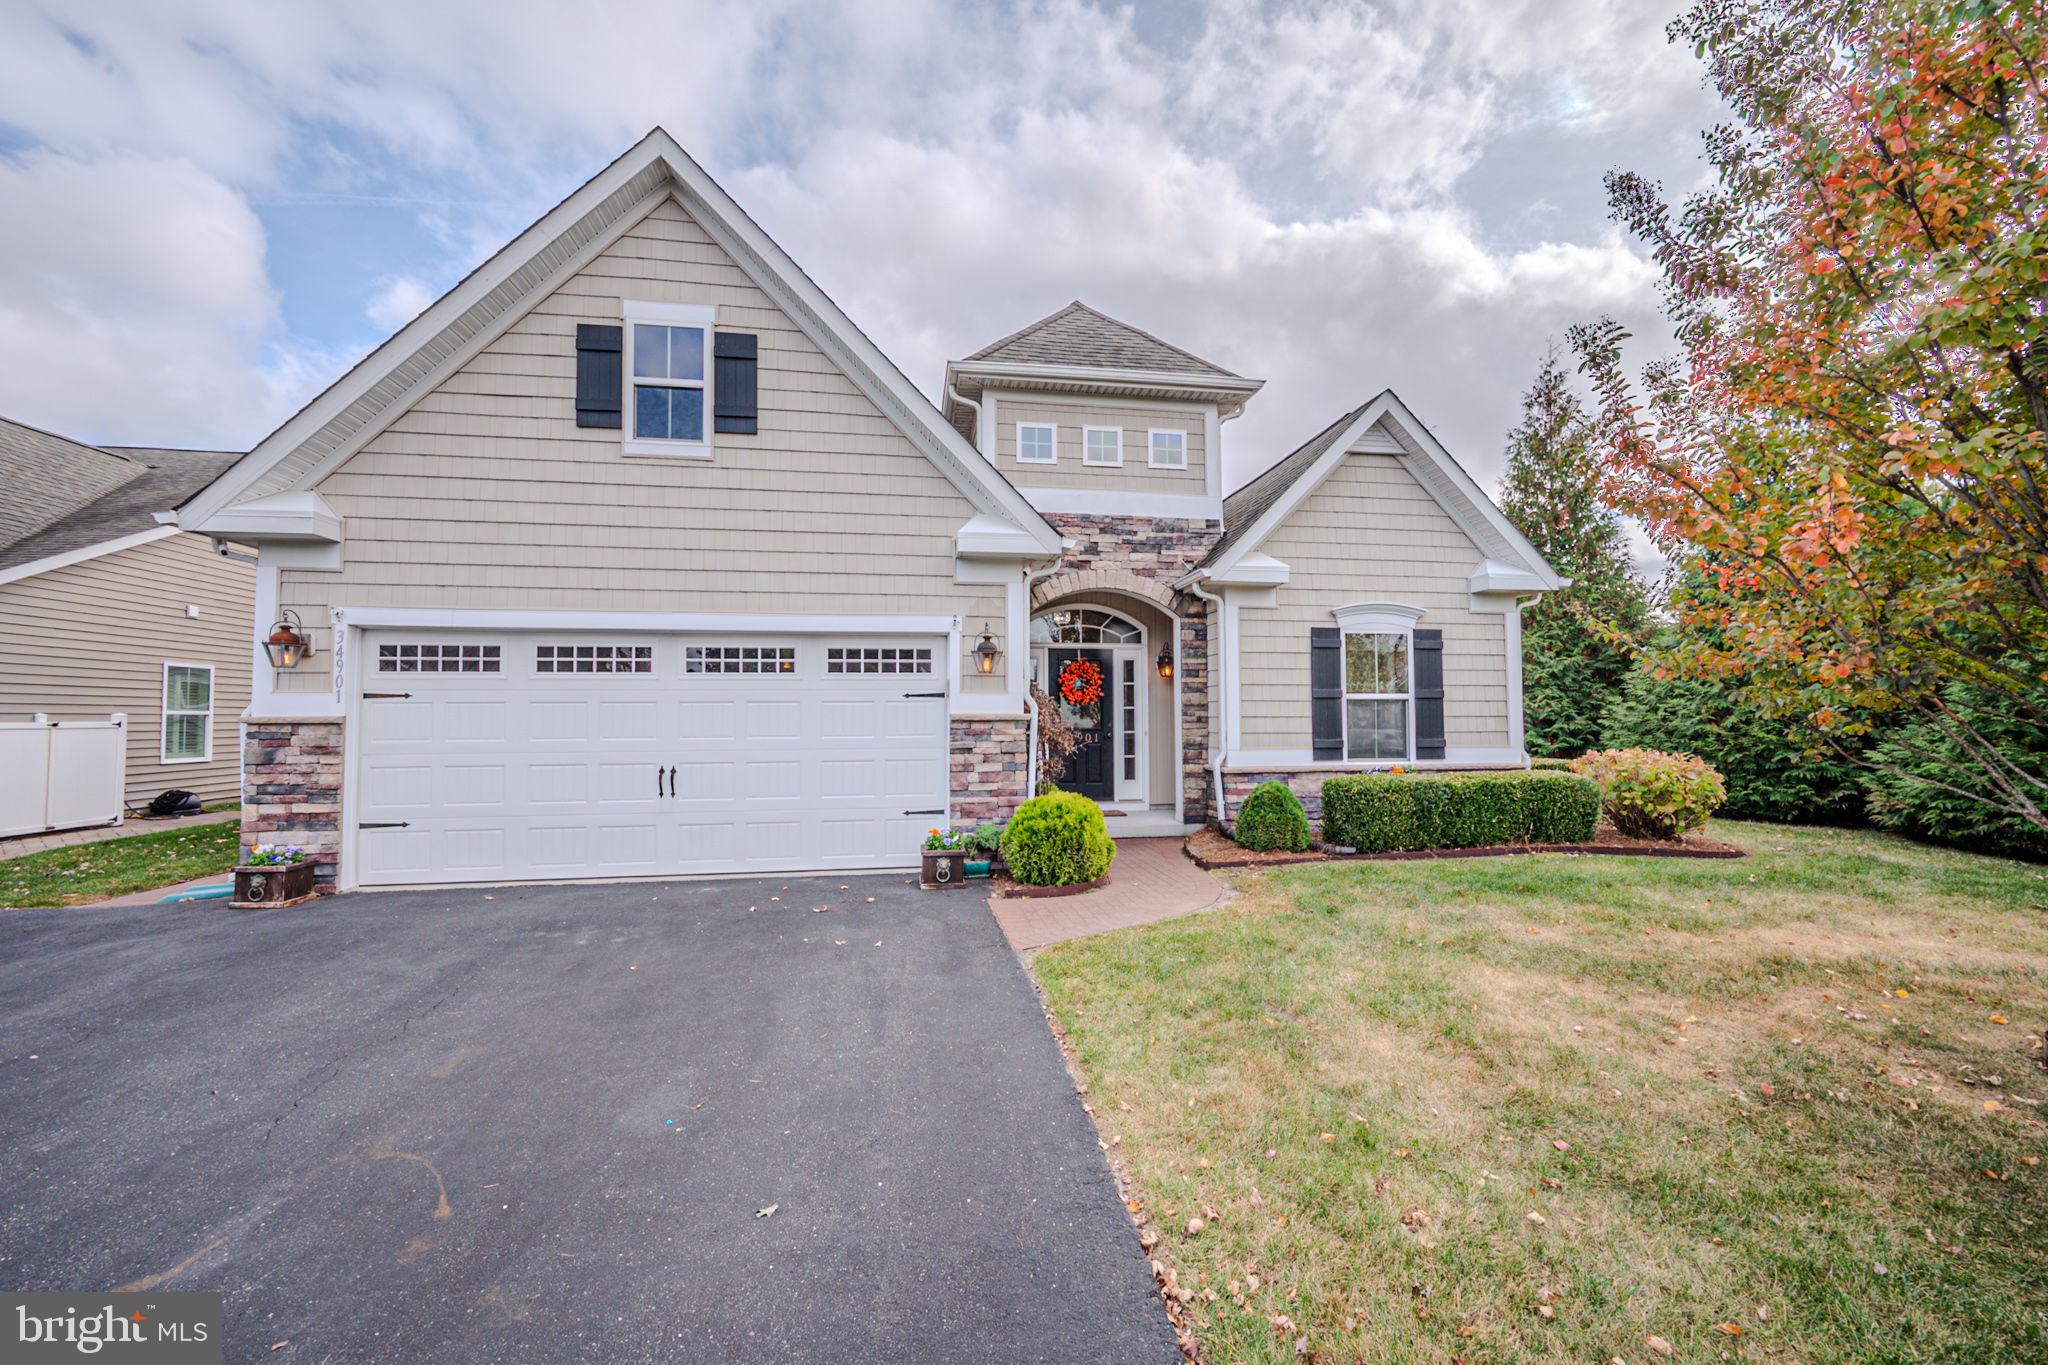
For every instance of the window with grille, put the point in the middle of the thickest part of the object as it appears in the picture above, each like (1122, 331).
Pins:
(878, 659)
(739, 659)
(1375, 695)
(437, 658)
(188, 713)
(593, 659)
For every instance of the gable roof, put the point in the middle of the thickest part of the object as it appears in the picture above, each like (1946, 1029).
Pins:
(1256, 510)
(1078, 335)
(337, 423)
(91, 495)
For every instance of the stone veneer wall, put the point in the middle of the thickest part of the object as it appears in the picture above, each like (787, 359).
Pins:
(1143, 556)
(989, 761)
(291, 790)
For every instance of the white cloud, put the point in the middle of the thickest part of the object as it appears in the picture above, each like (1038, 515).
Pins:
(1302, 192)
(398, 300)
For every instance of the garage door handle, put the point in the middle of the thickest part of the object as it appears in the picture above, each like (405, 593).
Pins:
(940, 811)
(657, 781)
(924, 694)
(671, 780)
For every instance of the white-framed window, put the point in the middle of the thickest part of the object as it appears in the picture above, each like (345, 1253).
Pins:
(1378, 707)
(878, 659)
(1167, 449)
(438, 658)
(188, 713)
(739, 659)
(1036, 443)
(1102, 445)
(593, 658)
(668, 379)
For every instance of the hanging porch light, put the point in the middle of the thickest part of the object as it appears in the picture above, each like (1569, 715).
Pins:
(288, 642)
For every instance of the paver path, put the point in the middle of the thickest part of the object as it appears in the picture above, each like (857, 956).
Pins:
(1151, 880)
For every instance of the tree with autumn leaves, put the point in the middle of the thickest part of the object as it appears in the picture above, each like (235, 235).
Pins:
(1851, 449)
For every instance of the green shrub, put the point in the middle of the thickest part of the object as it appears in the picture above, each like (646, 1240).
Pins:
(1272, 818)
(1912, 756)
(1562, 808)
(1384, 813)
(1769, 771)
(985, 840)
(1652, 795)
(1057, 839)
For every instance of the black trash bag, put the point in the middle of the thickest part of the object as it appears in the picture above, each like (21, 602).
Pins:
(174, 802)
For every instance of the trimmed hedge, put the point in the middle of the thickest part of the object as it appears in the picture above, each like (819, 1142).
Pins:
(1058, 839)
(1272, 818)
(1383, 813)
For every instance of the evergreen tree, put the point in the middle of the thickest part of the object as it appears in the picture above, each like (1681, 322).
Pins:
(1576, 644)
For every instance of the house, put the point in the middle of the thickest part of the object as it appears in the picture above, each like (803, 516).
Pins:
(104, 611)
(632, 555)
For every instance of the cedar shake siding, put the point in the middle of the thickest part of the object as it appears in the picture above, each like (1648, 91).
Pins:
(487, 494)
(91, 638)
(1371, 532)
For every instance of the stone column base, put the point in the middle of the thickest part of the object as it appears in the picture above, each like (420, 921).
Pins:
(291, 790)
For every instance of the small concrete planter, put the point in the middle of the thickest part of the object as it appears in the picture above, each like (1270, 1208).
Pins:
(944, 869)
(273, 886)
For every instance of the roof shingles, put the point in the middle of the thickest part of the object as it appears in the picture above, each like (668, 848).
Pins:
(150, 480)
(1078, 335)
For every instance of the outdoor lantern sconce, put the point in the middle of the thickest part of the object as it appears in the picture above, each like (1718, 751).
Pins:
(986, 653)
(1166, 662)
(288, 642)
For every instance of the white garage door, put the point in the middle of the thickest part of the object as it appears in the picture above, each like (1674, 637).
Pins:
(510, 757)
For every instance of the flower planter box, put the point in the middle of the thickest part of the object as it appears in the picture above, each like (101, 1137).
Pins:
(944, 869)
(273, 886)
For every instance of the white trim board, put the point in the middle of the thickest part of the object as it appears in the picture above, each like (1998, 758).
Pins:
(658, 622)
(1114, 503)
(85, 553)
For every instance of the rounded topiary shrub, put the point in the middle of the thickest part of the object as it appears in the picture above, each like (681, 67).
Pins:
(1272, 818)
(1057, 839)
(1652, 795)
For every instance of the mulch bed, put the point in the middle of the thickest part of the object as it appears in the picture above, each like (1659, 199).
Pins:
(1210, 850)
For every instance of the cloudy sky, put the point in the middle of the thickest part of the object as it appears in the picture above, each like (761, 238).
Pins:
(209, 209)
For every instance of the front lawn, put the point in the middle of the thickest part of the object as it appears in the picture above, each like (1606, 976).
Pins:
(116, 867)
(1587, 1109)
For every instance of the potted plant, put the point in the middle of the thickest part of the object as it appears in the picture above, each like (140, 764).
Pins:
(945, 860)
(273, 875)
(984, 848)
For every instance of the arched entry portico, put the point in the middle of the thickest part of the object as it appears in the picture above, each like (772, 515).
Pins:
(1137, 725)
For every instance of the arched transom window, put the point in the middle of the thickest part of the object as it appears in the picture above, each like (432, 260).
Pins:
(1083, 626)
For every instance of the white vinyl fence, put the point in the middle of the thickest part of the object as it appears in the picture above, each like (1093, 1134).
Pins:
(62, 774)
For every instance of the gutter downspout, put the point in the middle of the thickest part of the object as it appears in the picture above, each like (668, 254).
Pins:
(1220, 682)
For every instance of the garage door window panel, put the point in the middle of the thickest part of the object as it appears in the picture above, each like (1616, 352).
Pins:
(769, 659)
(438, 658)
(593, 658)
(878, 659)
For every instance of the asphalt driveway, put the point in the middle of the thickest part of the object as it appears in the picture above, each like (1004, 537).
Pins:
(537, 1124)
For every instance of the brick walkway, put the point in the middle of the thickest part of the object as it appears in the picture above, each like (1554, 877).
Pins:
(1151, 880)
(21, 845)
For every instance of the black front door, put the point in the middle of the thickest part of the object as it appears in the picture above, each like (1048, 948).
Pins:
(1089, 770)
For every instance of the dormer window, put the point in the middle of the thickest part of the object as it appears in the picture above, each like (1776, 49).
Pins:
(668, 364)
(1035, 443)
(1169, 449)
(1102, 445)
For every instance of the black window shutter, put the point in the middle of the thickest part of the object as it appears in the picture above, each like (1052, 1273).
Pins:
(599, 377)
(1428, 660)
(1326, 691)
(736, 357)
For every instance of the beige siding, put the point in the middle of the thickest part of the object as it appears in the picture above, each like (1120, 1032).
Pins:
(80, 642)
(1371, 533)
(486, 494)
(1069, 415)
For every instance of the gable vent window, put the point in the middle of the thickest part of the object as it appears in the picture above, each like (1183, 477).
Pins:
(1169, 450)
(437, 658)
(739, 659)
(593, 659)
(878, 659)
(669, 379)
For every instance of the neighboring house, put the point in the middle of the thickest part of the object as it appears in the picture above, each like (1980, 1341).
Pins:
(632, 555)
(103, 610)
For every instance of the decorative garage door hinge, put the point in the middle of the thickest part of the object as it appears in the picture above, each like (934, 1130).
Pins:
(940, 811)
(384, 824)
(384, 696)
(924, 694)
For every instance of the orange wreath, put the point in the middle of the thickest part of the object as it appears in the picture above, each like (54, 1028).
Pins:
(1081, 682)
